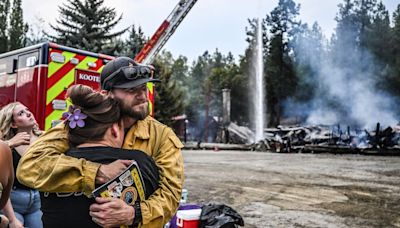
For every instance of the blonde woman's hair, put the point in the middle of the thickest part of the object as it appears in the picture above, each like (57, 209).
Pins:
(6, 119)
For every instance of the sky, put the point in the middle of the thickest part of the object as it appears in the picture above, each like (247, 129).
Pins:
(210, 25)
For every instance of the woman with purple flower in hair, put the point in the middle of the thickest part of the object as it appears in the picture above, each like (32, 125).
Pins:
(95, 133)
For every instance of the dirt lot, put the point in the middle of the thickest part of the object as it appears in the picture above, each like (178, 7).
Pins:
(298, 190)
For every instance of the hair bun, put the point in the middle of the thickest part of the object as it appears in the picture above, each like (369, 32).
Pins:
(84, 96)
(101, 111)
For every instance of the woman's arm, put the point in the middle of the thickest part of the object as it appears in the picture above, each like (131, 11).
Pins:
(9, 213)
(6, 173)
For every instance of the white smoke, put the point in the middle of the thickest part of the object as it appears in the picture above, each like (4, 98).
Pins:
(352, 89)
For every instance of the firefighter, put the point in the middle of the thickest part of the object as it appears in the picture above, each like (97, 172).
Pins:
(96, 133)
(47, 168)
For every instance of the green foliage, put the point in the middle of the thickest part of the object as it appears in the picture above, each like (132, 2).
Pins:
(209, 75)
(379, 31)
(12, 28)
(4, 12)
(363, 34)
(308, 50)
(346, 35)
(393, 80)
(281, 80)
(196, 84)
(134, 43)
(17, 29)
(362, 27)
(238, 82)
(87, 25)
(169, 100)
(181, 70)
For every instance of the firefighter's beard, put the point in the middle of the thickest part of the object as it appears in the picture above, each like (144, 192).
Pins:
(135, 110)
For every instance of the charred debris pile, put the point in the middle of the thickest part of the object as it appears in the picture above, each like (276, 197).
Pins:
(331, 139)
(308, 139)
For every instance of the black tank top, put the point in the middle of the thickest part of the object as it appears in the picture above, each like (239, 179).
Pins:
(16, 157)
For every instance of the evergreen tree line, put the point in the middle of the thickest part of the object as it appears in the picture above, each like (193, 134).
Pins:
(12, 27)
(295, 58)
(359, 64)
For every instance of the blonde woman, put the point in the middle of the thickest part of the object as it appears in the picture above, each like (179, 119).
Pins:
(18, 129)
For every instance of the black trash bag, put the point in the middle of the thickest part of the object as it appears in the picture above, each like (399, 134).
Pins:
(219, 215)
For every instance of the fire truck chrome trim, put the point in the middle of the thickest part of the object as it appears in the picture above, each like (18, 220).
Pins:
(74, 61)
(92, 64)
(27, 68)
(59, 104)
(57, 57)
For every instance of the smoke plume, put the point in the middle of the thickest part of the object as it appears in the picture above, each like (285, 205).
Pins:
(344, 87)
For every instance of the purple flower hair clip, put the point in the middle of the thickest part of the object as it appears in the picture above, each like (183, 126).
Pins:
(75, 117)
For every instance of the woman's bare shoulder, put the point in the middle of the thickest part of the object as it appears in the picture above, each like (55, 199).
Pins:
(4, 150)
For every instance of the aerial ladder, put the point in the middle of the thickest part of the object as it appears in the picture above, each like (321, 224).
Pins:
(160, 37)
(164, 32)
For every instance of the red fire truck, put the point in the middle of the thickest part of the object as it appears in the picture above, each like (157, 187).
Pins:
(38, 76)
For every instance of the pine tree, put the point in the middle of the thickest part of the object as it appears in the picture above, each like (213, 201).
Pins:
(197, 96)
(169, 100)
(209, 74)
(345, 41)
(308, 52)
(358, 21)
(394, 80)
(395, 40)
(376, 41)
(87, 25)
(281, 80)
(379, 33)
(239, 81)
(226, 74)
(133, 44)
(4, 8)
(365, 15)
(180, 75)
(17, 29)
(181, 70)
(136, 41)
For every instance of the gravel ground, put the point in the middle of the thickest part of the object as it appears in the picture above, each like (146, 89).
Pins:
(297, 190)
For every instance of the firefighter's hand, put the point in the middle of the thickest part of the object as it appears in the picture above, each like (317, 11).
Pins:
(108, 172)
(22, 138)
(111, 212)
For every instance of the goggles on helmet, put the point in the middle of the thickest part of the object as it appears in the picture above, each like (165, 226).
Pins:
(127, 74)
